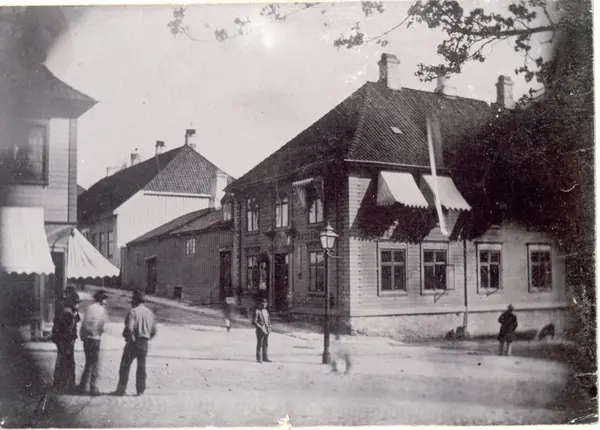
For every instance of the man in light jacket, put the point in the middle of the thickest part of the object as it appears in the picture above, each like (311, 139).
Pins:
(91, 331)
(262, 322)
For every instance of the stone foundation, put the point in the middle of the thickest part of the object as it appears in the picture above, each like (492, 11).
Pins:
(436, 326)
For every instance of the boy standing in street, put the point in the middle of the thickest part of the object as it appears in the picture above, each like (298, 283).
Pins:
(140, 328)
(262, 322)
(91, 331)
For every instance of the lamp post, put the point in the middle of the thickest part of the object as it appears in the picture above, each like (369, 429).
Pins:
(328, 237)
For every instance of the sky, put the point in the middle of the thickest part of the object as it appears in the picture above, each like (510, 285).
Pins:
(246, 97)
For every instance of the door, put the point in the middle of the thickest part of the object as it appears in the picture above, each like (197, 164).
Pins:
(151, 276)
(281, 270)
(225, 287)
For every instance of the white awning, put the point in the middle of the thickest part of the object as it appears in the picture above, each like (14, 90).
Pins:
(399, 187)
(299, 188)
(23, 245)
(449, 196)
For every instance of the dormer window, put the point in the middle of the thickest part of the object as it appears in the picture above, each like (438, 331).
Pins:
(396, 130)
(282, 210)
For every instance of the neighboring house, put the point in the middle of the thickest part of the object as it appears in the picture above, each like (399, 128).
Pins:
(38, 192)
(133, 201)
(187, 258)
(365, 168)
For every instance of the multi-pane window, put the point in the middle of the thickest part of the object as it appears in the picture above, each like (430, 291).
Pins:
(190, 246)
(540, 267)
(25, 158)
(227, 211)
(109, 243)
(316, 272)
(282, 211)
(434, 269)
(315, 209)
(101, 243)
(252, 272)
(252, 215)
(393, 270)
(490, 266)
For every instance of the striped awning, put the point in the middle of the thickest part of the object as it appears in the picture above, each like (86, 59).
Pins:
(449, 196)
(23, 246)
(399, 187)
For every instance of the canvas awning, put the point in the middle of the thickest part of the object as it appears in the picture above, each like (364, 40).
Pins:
(299, 188)
(399, 187)
(83, 259)
(449, 196)
(23, 245)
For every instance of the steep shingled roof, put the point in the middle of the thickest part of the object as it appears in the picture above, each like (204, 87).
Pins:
(359, 129)
(180, 170)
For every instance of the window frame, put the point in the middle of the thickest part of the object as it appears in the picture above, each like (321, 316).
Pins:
(101, 243)
(279, 208)
(95, 240)
(252, 208)
(110, 241)
(381, 264)
(190, 250)
(27, 125)
(494, 247)
(254, 270)
(316, 291)
(447, 268)
(227, 211)
(539, 247)
(313, 197)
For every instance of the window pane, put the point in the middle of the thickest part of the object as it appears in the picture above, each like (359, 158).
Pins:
(538, 276)
(484, 275)
(428, 278)
(399, 256)
(494, 276)
(495, 256)
(484, 256)
(321, 279)
(535, 256)
(284, 214)
(428, 256)
(386, 278)
(440, 277)
(440, 256)
(386, 256)
(545, 256)
(399, 277)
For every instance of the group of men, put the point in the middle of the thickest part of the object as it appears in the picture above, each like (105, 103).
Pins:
(140, 328)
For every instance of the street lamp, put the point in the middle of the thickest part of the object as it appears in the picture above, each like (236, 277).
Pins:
(328, 237)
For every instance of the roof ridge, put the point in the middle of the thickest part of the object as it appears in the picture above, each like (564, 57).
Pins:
(360, 121)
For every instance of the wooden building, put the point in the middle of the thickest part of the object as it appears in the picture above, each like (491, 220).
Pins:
(365, 167)
(135, 200)
(187, 258)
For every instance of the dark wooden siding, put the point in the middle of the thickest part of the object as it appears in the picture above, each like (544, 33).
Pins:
(73, 171)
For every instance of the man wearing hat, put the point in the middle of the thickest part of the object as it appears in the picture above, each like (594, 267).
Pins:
(64, 334)
(140, 327)
(508, 326)
(262, 322)
(91, 331)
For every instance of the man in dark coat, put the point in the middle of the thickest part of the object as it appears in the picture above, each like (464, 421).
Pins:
(262, 322)
(508, 326)
(64, 334)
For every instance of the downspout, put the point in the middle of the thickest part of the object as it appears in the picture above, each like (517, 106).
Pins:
(466, 317)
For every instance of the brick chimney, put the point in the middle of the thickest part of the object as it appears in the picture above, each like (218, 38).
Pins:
(159, 146)
(135, 157)
(504, 93)
(389, 71)
(442, 87)
(218, 188)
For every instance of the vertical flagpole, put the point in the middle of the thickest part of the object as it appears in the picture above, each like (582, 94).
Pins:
(436, 191)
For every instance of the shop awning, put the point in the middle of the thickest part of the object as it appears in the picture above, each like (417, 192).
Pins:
(450, 197)
(399, 187)
(23, 245)
(299, 188)
(83, 259)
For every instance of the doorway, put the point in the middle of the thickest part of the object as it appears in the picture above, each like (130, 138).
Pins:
(151, 275)
(281, 281)
(225, 287)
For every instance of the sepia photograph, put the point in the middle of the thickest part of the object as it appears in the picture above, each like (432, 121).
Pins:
(351, 213)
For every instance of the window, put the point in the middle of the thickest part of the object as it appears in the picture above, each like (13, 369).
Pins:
(252, 215)
(94, 241)
(393, 270)
(316, 273)
(109, 243)
(396, 130)
(26, 157)
(190, 246)
(315, 210)
(434, 269)
(227, 211)
(101, 243)
(540, 268)
(252, 272)
(282, 212)
(490, 266)
(138, 260)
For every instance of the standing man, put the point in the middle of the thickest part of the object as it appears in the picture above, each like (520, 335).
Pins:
(64, 334)
(140, 328)
(508, 326)
(262, 322)
(91, 331)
